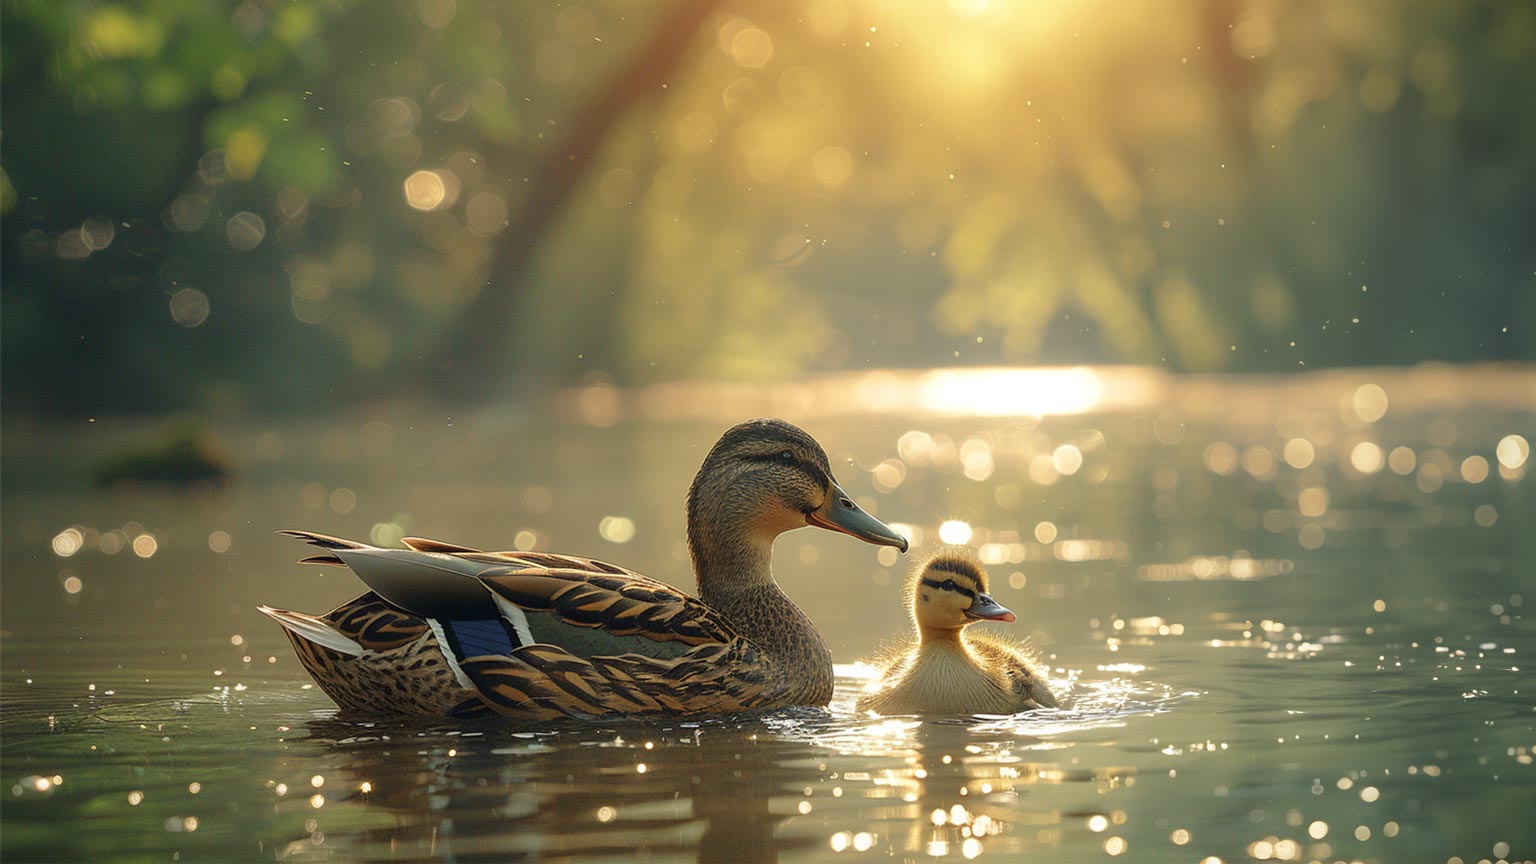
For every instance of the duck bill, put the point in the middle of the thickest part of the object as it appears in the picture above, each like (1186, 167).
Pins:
(984, 608)
(841, 514)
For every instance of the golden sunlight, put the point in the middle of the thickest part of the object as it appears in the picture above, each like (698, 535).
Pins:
(1005, 392)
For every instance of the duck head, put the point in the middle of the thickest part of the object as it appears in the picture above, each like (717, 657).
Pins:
(949, 591)
(765, 477)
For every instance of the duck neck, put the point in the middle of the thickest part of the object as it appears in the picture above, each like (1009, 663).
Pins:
(941, 638)
(735, 574)
(728, 564)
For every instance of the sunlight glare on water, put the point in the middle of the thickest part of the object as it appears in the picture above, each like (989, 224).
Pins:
(1007, 392)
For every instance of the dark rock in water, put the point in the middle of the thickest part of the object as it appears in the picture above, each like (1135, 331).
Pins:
(186, 456)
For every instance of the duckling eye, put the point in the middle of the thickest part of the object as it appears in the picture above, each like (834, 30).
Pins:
(949, 585)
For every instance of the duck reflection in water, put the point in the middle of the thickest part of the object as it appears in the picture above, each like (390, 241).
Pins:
(963, 787)
(623, 788)
(965, 804)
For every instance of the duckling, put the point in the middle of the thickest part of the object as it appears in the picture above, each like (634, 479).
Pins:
(949, 670)
(451, 630)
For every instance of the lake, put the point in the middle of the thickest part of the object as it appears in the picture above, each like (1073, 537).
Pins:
(1291, 615)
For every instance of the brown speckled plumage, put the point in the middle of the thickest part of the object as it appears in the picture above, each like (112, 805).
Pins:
(404, 661)
(583, 637)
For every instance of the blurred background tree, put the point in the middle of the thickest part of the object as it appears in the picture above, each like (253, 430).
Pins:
(278, 205)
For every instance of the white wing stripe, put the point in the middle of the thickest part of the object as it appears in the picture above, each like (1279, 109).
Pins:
(453, 662)
(516, 617)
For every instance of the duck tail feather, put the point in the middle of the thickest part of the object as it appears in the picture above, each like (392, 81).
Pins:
(323, 541)
(423, 544)
(323, 559)
(314, 630)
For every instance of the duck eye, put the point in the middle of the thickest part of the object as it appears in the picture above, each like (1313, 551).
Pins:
(786, 456)
(949, 585)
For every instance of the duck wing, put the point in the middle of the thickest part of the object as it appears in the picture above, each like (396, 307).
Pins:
(597, 608)
(521, 559)
(542, 635)
(1013, 669)
(586, 605)
(589, 643)
(431, 584)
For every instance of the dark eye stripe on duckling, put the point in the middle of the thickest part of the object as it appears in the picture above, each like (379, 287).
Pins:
(949, 585)
(814, 473)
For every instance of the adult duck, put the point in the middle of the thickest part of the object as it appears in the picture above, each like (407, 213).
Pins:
(450, 630)
(948, 669)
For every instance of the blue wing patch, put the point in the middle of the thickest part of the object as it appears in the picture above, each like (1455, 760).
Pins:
(479, 638)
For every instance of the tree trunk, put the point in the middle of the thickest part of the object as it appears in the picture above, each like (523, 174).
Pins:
(468, 360)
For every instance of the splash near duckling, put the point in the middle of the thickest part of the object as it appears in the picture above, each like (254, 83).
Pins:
(951, 669)
(448, 630)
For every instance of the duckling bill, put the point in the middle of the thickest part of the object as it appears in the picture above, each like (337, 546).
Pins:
(950, 669)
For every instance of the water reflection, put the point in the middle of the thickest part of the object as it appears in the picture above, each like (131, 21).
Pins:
(959, 803)
(716, 790)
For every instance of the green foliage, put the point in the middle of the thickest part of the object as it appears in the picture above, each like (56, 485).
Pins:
(836, 184)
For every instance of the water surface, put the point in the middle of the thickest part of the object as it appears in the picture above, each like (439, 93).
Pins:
(1291, 615)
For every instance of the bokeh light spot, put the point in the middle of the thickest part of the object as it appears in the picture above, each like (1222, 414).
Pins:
(189, 307)
(1512, 451)
(145, 545)
(752, 47)
(1299, 453)
(955, 532)
(425, 190)
(67, 542)
(1369, 402)
(1313, 501)
(832, 165)
(1067, 459)
(1221, 458)
(486, 213)
(1366, 457)
(245, 230)
(616, 529)
(976, 459)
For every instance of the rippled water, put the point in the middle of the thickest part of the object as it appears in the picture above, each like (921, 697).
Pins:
(1276, 650)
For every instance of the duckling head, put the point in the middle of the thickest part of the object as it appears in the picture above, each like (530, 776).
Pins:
(949, 591)
(765, 477)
